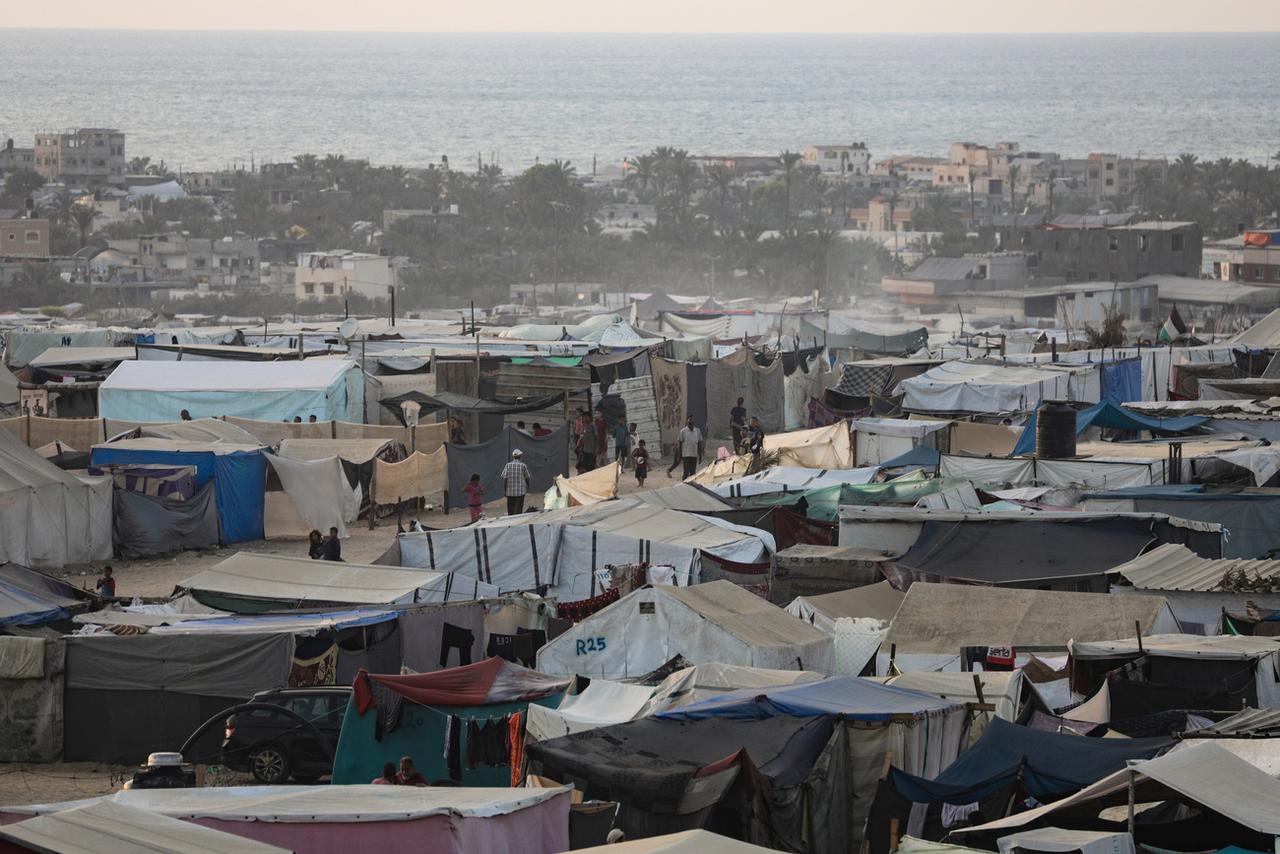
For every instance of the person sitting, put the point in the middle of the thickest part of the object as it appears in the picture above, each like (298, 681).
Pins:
(315, 545)
(409, 776)
(332, 546)
(184, 415)
(388, 777)
(539, 431)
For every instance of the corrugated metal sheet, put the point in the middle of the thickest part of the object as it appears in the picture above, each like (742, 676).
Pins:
(1176, 567)
(642, 408)
(537, 380)
(1247, 722)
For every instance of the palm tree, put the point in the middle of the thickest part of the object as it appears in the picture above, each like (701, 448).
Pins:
(82, 216)
(641, 175)
(1014, 172)
(789, 160)
(307, 163)
(60, 209)
(333, 166)
(138, 165)
(1145, 182)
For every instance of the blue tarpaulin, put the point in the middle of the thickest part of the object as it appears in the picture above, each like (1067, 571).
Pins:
(1052, 764)
(919, 456)
(29, 598)
(850, 696)
(1112, 417)
(239, 477)
(1121, 381)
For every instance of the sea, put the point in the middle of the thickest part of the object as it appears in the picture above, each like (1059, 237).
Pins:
(205, 100)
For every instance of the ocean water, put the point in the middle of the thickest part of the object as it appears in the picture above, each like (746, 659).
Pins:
(204, 99)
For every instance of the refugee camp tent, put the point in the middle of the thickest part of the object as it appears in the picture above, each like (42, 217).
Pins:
(790, 479)
(688, 497)
(330, 389)
(1203, 775)
(1247, 516)
(717, 621)
(562, 549)
(1110, 416)
(740, 375)
(237, 472)
(1059, 550)
(248, 582)
(704, 681)
(29, 598)
(879, 601)
(392, 716)
(154, 524)
(48, 517)
(945, 618)
(807, 570)
(592, 487)
(876, 440)
(108, 825)
(819, 448)
(684, 842)
(129, 696)
(888, 339)
(1006, 690)
(358, 818)
(1198, 589)
(984, 386)
(1181, 671)
(1043, 764)
(603, 703)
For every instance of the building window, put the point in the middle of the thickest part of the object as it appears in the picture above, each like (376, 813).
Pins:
(13, 236)
(1113, 243)
(1111, 182)
(1175, 242)
(1144, 243)
(308, 289)
(32, 237)
(328, 290)
(1110, 166)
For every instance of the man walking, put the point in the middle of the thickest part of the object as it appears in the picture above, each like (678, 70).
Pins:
(515, 483)
(689, 446)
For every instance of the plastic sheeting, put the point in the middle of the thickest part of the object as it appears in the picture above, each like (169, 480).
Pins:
(487, 682)
(1111, 416)
(993, 387)
(791, 479)
(590, 488)
(330, 389)
(761, 389)
(148, 525)
(234, 666)
(546, 458)
(49, 518)
(318, 490)
(1091, 474)
(852, 697)
(704, 681)
(419, 476)
(713, 622)
(602, 704)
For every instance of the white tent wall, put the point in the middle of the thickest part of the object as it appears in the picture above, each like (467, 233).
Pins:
(1095, 474)
(1157, 362)
(993, 387)
(647, 628)
(315, 496)
(878, 440)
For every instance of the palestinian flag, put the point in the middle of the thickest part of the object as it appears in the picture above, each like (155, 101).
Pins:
(1173, 328)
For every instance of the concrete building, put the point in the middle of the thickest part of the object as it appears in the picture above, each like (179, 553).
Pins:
(908, 167)
(13, 158)
(440, 213)
(89, 156)
(224, 263)
(1088, 249)
(24, 238)
(1070, 305)
(340, 272)
(1102, 176)
(935, 280)
(852, 160)
(626, 216)
(881, 214)
(1259, 258)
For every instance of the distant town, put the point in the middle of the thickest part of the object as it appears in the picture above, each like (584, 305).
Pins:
(987, 229)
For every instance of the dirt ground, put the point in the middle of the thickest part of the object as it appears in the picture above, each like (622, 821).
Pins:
(156, 577)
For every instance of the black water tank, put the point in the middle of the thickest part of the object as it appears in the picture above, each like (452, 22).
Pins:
(1055, 430)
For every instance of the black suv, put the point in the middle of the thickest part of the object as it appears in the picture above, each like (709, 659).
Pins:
(275, 746)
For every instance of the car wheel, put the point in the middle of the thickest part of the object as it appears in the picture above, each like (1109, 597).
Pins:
(269, 765)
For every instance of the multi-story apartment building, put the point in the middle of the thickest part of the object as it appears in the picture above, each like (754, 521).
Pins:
(24, 238)
(853, 160)
(340, 272)
(87, 156)
(13, 158)
(1091, 249)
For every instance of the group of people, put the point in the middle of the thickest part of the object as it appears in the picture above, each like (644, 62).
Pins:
(405, 775)
(321, 547)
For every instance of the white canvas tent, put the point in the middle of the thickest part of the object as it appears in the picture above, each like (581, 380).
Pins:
(563, 549)
(714, 622)
(330, 389)
(819, 448)
(790, 479)
(48, 517)
(603, 703)
(303, 582)
(878, 440)
(990, 386)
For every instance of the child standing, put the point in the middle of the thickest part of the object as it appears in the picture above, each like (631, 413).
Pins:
(640, 459)
(475, 496)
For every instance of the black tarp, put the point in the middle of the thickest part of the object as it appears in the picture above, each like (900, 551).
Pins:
(149, 524)
(696, 389)
(1038, 553)
(546, 457)
(648, 765)
(462, 404)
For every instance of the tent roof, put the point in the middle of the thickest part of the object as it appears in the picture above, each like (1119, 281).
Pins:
(850, 696)
(356, 451)
(483, 683)
(685, 842)
(1211, 648)
(108, 825)
(1264, 333)
(302, 580)
(68, 356)
(743, 614)
(703, 681)
(295, 624)
(314, 803)
(1173, 566)
(233, 376)
(879, 600)
(1202, 773)
(28, 597)
(686, 497)
(23, 468)
(1110, 416)
(199, 430)
(8, 386)
(942, 618)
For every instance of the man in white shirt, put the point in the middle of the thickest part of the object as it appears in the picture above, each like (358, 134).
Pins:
(689, 447)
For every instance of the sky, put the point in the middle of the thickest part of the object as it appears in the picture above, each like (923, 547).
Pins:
(674, 16)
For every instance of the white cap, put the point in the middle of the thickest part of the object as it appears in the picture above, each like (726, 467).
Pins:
(517, 453)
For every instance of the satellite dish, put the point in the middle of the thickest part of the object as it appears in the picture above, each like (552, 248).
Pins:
(349, 327)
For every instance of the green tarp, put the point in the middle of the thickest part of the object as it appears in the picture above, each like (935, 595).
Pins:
(824, 503)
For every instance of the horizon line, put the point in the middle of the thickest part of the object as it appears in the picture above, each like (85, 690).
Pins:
(461, 32)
